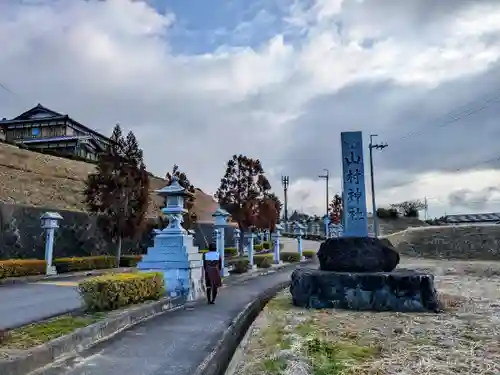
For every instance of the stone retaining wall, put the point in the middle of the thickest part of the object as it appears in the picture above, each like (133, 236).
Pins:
(481, 242)
(21, 235)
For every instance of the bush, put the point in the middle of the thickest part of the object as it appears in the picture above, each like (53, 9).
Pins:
(21, 267)
(64, 265)
(240, 266)
(387, 213)
(267, 245)
(266, 262)
(230, 252)
(130, 260)
(258, 247)
(110, 292)
(259, 258)
(289, 257)
(309, 254)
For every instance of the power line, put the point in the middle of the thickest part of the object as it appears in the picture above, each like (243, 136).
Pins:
(453, 120)
(471, 166)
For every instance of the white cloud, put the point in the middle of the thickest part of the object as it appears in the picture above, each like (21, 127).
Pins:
(107, 62)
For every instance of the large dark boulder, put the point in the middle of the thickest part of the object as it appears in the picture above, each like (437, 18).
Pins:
(402, 290)
(357, 254)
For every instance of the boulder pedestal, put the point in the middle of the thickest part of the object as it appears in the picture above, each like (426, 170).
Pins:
(357, 254)
(402, 290)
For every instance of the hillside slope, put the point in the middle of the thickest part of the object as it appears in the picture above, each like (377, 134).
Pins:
(35, 179)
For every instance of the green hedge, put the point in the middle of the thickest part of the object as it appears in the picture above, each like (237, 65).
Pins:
(260, 259)
(289, 257)
(309, 254)
(64, 265)
(228, 251)
(110, 292)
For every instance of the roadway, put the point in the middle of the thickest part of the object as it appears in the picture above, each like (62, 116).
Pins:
(22, 304)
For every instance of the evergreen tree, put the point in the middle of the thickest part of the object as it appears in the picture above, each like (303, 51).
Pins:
(118, 192)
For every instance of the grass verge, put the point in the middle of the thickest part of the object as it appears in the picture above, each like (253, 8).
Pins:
(39, 333)
(463, 339)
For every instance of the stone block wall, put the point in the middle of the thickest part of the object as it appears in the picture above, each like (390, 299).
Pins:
(480, 242)
(21, 235)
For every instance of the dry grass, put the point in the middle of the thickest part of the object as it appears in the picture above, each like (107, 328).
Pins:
(464, 339)
(35, 179)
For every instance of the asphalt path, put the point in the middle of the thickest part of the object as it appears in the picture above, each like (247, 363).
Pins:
(26, 303)
(171, 344)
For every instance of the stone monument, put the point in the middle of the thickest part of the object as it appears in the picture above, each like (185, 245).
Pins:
(173, 252)
(356, 271)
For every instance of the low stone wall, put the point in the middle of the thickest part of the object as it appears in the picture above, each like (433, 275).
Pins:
(481, 242)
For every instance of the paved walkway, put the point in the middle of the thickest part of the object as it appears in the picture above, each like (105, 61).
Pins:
(25, 303)
(174, 343)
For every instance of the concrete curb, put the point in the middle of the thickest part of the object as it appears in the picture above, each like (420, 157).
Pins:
(219, 359)
(35, 278)
(84, 338)
(66, 347)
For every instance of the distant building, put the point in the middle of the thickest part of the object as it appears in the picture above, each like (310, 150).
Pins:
(45, 130)
(490, 218)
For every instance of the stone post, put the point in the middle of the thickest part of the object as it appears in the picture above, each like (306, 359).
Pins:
(236, 237)
(326, 224)
(221, 217)
(250, 238)
(50, 222)
(299, 232)
(276, 242)
(173, 252)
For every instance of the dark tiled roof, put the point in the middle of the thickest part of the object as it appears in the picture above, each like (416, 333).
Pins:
(473, 218)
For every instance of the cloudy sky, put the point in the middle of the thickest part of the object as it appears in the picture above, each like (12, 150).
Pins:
(198, 81)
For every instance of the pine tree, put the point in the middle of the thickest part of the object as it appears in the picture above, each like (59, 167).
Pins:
(118, 192)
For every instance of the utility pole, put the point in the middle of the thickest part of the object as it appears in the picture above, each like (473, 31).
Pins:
(426, 207)
(326, 176)
(372, 146)
(285, 181)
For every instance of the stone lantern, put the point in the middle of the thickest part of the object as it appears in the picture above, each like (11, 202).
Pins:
(50, 222)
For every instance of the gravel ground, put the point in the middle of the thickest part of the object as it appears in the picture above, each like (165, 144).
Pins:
(464, 339)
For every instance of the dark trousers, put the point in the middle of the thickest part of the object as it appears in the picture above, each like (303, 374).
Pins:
(211, 293)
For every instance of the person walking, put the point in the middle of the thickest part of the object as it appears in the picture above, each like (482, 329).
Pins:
(212, 263)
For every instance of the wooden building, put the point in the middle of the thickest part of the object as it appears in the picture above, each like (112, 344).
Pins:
(45, 130)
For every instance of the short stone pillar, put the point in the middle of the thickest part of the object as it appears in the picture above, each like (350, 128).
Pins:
(316, 228)
(50, 222)
(249, 238)
(173, 252)
(299, 232)
(220, 217)
(276, 243)
(236, 238)
(266, 235)
(326, 224)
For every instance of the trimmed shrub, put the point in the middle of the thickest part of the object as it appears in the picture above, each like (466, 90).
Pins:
(21, 267)
(258, 247)
(230, 252)
(240, 266)
(289, 257)
(309, 254)
(130, 260)
(267, 245)
(266, 262)
(259, 258)
(110, 292)
(64, 265)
